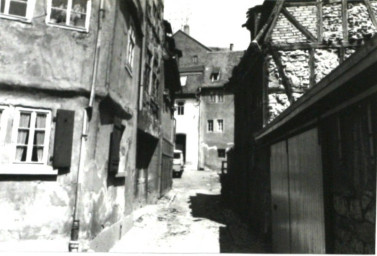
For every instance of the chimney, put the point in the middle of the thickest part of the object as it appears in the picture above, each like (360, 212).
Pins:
(186, 29)
(231, 47)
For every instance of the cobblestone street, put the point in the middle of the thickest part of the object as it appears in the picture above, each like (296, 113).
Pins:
(189, 219)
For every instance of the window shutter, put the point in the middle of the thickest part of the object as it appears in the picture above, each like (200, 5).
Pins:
(115, 139)
(63, 139)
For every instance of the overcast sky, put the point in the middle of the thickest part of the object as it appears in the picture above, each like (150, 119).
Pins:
(212, 22)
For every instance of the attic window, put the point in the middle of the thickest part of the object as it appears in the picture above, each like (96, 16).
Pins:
(215, 75)
(17, 9)
(195, 59)
(183, 80)
(71, 14)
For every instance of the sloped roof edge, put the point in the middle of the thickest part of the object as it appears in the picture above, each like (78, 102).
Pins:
(193, 39)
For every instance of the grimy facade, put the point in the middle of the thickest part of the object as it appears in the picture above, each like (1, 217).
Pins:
(75, 104)
(204, 109)
(303, 168)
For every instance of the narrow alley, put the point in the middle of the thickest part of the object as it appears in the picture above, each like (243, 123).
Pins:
(189, 219)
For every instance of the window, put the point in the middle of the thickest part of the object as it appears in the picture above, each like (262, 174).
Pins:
(212, 98)
(215, 75)
(72, 14)
(220, 125)
(17, 9)
(220, 97)
(131, 48)
(221, 153)
(195, 59)
(183, 80)
(210, 125)
(181, 108)
(31, 135)
(147, 71)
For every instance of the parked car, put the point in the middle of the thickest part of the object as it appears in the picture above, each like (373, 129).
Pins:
(178, 164)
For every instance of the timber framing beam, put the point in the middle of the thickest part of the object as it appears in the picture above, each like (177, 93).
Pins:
(312, 67)
(297, 24)
(319, 20)
(274, 18)
(307, 46)
(286, 82)
(345, 20)
(371, 13)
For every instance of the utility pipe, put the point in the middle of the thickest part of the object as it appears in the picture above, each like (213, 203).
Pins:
(87, 114)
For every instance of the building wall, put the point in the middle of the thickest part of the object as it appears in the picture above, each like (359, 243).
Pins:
(188, 124)
(39, 72)
(211, 142)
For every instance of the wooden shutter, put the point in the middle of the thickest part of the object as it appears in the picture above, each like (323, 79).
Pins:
(115, 138)
(63, 139)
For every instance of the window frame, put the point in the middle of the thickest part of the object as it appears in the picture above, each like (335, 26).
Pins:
(210, 124)
(180, 108)
(131, 42)
(218, 125)
(47, 129)
(195, 59)
(68, 16)
(3, 123)
(30, 6)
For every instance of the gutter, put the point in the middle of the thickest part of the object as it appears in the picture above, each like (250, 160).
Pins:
(87, 115)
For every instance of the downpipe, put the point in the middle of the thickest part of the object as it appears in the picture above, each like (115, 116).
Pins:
(74, 244)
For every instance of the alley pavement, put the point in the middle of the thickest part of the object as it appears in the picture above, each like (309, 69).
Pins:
(189, 219)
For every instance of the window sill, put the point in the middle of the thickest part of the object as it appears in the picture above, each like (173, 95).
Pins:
(16, 18)
(121, 175)
(27, 169)
(83, 30)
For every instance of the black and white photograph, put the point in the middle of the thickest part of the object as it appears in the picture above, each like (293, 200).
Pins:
(188, 126)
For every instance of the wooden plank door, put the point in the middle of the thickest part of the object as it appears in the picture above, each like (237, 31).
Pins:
(280, 198)
(306, 194)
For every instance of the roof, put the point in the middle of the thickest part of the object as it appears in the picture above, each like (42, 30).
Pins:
(193, 39)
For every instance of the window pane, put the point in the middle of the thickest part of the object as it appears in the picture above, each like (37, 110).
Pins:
(18, 8)
(79, 6)
(21, 153)
(41, 121)
(37, 154)
(25, 120)
(39, 138)
(23, 137)
(77, 19)
(58, 16)
(60, 4)
(2, 4)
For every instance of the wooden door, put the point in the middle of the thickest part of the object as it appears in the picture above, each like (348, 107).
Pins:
(280, 198)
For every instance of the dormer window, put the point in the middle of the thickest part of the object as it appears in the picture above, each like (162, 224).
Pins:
(215, 75)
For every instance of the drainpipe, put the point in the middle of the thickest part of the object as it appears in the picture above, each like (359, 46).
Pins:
(87, 115)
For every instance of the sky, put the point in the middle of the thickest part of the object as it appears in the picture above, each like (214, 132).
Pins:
(215, 23)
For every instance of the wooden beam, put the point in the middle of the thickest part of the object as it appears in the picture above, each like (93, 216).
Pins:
(297, 24)
(319, 21)
(311, 67)
(371, 12)
(286, 83)
(274, 16)
(345, 20)
(342, 53)
(307, 46)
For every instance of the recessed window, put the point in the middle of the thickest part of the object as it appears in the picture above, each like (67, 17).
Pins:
(220, 125)
(73, 14)
(212, 98)
(31, 135)
(215, 75)
(181, 108)
(210, 125)
(17, 9)
(221, 153)
(195, 59)
(220, 97)
(183, 80)
(131, 48)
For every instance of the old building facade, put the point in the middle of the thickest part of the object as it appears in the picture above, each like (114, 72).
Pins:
(204, 109)
(69, 107)
(303, 166)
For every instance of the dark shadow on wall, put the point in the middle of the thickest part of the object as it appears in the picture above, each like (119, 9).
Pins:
(234, 237)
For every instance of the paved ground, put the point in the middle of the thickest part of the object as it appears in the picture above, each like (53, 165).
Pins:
(189, 219)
